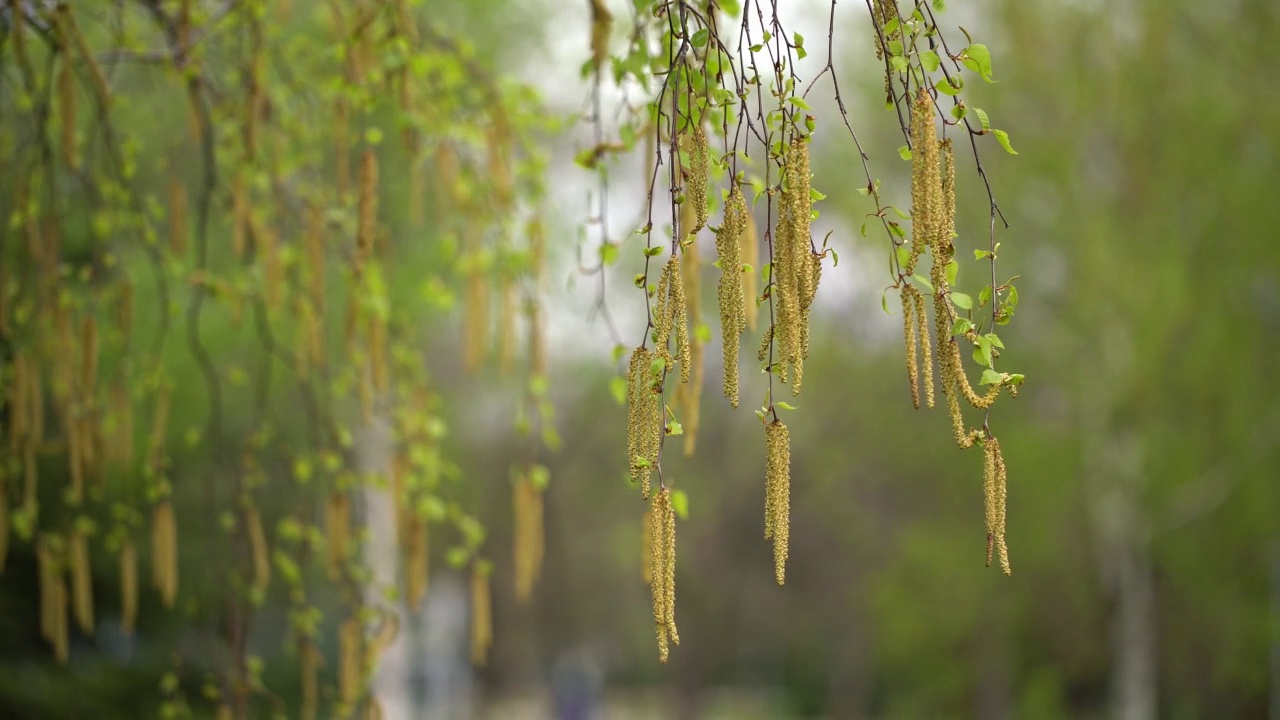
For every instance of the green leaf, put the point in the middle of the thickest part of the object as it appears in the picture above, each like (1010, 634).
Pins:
(675, 428)
(898, 63)
(977, 58)
(958, 111)
(905, 153)
(1016, 378)
(680, 504)
(884, 302)
(1002, 137)
(618, 387)
(929, 60)
(979, 254)
(982, 118)
(990, 377)
(799, 102)
(699, 38)
(608, 253)
(984, 296)
(961, 326)
(952, 269)
(946, 88)
(961, 300)
(1012, 301)
(994, 340)
(923, 282)
(785, 406)
(653, 251)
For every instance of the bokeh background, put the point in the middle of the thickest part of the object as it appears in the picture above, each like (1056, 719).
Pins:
(1143, 451)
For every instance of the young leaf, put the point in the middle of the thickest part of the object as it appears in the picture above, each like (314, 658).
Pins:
(1003, 138)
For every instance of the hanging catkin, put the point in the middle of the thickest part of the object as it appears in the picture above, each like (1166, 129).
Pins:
(662, 547)
(349, 655)
(308, 672)
(481, 615)
(258, 549)
(689, 395)
(909, 336)
(367, 212)
(777, 519)
(644, 423)
(53, 594)
(177, 218)
(337, 532)
(730, 293)
(995, 491)
(164, 552)
(416, 560)
(528, 538)
(128, 586)
(926, 349)
(81, 580)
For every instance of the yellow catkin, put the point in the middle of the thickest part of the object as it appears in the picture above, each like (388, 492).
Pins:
(476, 321)
(342, 146)
(417, 560)
(644, 423)
(159, 429)
(53, 594)
(481, 616)
(926, 348)
(81, 580)
(751, 278)
(646, 547)
(926, 179)
(239, 215)
(909, 333)
(272, 267)
(947, 223)
(258, 549)
(680, 319)
(506, 324)
(128, 587)
(662, 567)
(164, 552)
(337, 532)
(994, 485)
(367, 211)
(349, 655)
(378, 353)
(309, 675)
(661, 314)
(699, 165)
(778, 494)
(124, 309)
(177, 218)
(528, 537)
(729, 292)
(67, 109)
(601, 27)
(689, 395)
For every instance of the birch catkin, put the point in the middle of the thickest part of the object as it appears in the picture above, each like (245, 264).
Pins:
(481, 616)
(778, 494)
(729, 292)
(164, 552)
(644, 426)
(128, 586)
(81, 580)
(662, 564)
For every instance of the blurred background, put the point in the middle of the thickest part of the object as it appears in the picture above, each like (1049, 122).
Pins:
(1143, 451)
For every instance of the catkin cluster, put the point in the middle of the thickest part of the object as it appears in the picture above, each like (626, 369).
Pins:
(994, 485)
(926, 180)
(164, 552)
(481, 615)
(662, 565)
(777, 501)
(729, 292)
(528, 536)
(644, 421)
(796, 269)
(915, 331)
